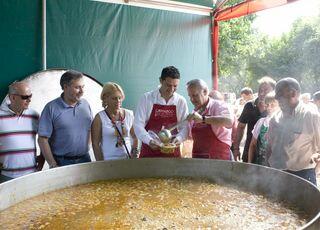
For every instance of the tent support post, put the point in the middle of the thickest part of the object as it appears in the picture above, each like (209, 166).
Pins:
(44, 35)
(214, 52)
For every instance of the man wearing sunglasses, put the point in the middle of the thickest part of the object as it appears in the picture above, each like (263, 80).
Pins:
(18, 129)
(65, 124)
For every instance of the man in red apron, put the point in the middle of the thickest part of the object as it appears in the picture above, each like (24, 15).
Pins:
(211, 128)
(161, 108)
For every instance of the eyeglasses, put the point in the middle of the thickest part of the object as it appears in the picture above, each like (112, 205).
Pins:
(24, 97)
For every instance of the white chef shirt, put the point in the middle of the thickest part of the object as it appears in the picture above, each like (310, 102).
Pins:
(144, 109)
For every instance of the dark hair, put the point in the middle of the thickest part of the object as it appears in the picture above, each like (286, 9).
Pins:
(170, 71)
(246, 91)
(69, 76)
(290, 83)
(316, 96)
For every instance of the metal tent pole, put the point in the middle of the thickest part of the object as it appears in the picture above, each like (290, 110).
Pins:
(44, 35)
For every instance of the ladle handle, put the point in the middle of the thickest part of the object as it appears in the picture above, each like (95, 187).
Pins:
(176, 125)
(179, 123)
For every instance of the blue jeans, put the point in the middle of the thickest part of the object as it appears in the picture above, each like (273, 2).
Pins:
(307, 174)
(63, 161)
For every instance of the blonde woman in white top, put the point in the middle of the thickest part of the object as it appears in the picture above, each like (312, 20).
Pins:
(111, 131)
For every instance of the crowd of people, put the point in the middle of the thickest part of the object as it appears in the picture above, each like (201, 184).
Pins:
(282, 130)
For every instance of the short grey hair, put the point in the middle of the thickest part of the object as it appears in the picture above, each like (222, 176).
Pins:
(246, 91)
(14, 85)
(267, 80)
(288, 82)
(199, 83)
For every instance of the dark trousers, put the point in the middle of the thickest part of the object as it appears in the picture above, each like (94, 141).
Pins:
(65, 160)
(4, 178)
(307, 174)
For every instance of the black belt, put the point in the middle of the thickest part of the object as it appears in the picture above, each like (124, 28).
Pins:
(18, 169)
(69, 157)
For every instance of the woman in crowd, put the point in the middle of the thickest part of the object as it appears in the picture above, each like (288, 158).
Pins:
(111, 131)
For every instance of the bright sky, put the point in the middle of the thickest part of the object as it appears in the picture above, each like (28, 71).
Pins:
(277, 20)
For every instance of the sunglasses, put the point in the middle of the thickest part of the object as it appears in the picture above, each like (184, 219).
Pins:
(24, 97)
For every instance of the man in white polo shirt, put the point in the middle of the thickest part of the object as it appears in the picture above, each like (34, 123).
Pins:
(18, 129)
(160, 108)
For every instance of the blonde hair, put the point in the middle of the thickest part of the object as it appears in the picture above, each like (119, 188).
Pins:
(108, 89)
(270, 97)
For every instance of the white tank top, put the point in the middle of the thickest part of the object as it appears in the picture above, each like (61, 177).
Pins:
(109, 140)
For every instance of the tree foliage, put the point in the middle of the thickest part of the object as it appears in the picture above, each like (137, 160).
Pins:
(295, 54)
(236, 44)
(245, 55)
(236, 41)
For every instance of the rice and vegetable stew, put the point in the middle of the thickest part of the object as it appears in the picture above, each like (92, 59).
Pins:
(177, 203)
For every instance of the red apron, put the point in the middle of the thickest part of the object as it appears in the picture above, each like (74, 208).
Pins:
(206, 144)
(161, 116)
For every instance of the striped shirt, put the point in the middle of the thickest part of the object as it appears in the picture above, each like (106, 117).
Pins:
(18, 141)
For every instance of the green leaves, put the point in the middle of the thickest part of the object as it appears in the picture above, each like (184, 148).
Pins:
(295, 54)
(237, 39)
(245, 55)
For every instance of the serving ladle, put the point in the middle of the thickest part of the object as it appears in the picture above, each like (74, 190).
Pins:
(165, 134)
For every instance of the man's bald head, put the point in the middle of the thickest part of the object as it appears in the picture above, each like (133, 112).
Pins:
(20, 96)
(18, 87)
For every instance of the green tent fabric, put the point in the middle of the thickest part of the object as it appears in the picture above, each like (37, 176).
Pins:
(20, 40)
(208, 3)
(89, 36)
(127, 45)
(111, 42)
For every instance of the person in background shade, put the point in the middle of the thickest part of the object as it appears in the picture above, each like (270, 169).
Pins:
(252, 112)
